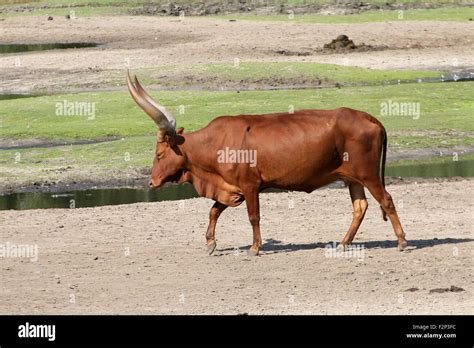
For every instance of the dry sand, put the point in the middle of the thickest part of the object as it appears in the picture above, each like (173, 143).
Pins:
(140, 42)
(149, 258)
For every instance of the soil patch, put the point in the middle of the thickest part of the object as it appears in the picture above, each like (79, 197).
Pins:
(343, 44)
(11, 143)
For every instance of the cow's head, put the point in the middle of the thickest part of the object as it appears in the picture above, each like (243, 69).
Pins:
(169, 161)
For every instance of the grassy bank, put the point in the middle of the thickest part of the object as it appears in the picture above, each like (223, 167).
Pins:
(442, 107)
(460, 14)
(86, 8)
(445, 120)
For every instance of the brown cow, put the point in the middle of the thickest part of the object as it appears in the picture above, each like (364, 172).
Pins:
(298, 151)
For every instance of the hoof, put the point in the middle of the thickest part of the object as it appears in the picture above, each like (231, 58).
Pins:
(341, 247)
(402, 245)
(252, 252)
(211, 247)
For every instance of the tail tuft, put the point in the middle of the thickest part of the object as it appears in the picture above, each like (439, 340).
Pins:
(382, 168)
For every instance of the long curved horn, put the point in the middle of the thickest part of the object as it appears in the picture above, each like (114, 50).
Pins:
(145, 95)
(156, 115)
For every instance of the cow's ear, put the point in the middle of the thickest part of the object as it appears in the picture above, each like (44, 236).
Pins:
(180, 130)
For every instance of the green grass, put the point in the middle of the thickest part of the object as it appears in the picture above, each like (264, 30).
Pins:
(72, 3)
(415, 142)
(136, 151)
(81, 8)
(445, 158)
(439, 14)
(378, 2)
(443, 106)
(78, 11)
(77, 163)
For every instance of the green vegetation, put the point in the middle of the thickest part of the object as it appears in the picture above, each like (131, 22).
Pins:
(439, 14)
(86, 8)
(445, 158)
(77, 11)
(181, 2)
(443, 106)
(427, 141)
(119, 154)
(77, 163)
(445, 109)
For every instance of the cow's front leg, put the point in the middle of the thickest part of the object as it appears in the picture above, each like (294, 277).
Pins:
(253, 210)
(214, 214)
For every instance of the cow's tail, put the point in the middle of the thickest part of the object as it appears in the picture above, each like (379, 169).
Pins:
(382, 167)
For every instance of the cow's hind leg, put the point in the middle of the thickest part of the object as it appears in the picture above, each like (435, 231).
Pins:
(383, 197)
(214, 214)
(359, 204)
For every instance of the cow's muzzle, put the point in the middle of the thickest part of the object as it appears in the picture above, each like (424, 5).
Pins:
(154, 184)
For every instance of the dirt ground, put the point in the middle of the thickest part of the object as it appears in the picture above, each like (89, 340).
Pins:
(149, 258)
(140, 42)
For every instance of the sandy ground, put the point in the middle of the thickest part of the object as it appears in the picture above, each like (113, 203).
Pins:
(149, 258)
(140, 42)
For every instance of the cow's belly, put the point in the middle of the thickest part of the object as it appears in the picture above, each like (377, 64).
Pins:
(301, 172)
(308, 185)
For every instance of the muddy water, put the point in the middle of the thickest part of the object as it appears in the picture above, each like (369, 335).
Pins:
(15, 48)
(464, 168)
(94, 198)
(16, 96)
